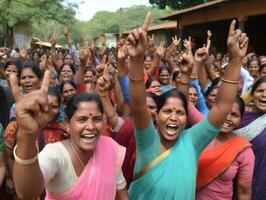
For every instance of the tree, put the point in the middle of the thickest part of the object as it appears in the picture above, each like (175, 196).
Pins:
(14, 13)
(175, 4)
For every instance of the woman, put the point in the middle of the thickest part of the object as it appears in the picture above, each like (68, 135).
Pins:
(253, 127)
(67, 72)
(164, 77)
(193, 95)
(227, 157)
(72, 169)
(253, 67)
(154, 86)
(171, 154)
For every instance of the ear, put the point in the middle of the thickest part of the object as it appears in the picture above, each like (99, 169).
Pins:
(66, 124)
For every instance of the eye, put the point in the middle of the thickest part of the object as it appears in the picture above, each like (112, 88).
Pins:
(98, 119)
(180, 113)
(167, 111)
(234, 115)
(81, 119)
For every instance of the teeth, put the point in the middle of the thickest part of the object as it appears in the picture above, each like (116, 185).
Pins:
(88, 136)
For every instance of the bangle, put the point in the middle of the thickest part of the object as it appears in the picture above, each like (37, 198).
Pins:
(183, 83)
(193, 77)
(103, 94)
(136, 79)
(27, 161)
(228, 81)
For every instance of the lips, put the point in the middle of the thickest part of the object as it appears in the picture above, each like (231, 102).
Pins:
(171, 129)
(226, 125)
(262, 102)
(88, 137)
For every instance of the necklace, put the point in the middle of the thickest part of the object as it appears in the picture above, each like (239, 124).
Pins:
(76, 154)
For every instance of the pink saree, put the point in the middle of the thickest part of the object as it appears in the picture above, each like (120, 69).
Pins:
(98, 179)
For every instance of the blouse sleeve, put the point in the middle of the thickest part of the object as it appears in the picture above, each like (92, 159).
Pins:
(202, 134)
(246, 160)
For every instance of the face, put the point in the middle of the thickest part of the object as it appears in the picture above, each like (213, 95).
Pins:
(36, 57)
(259, 98)
(156, 88)
(171, 119)
(210, 99)
(86, 126)
(152, 108)
(165, 77)
(69, 59)
(88, 76)
(253, 68)
(29, 81)
(147, 63)
(68, 92)
(66, 73)
(232, 120)
(263, 72)
(54, 105)
(11, 69)
(193, 95)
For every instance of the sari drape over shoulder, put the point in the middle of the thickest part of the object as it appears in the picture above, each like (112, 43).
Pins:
(214, 161)
(257, 121)
(98, 179)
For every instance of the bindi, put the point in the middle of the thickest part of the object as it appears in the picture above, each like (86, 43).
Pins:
(90, 114)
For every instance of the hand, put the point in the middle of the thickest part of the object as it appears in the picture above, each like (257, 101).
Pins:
(237, 42)
(137, 41)
(53, 41)
(84, 55)
(15, 87)
(33, 111)
(23, 53)
(151, 40)
(160, 51)
(186, 61)
(209, 34)
(99, 69)
(202, 54)
(122, 50)
(175, 41)
(65, 30)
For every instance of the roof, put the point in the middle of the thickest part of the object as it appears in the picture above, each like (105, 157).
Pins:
(46, 44)
(164, 25)
(197, 7)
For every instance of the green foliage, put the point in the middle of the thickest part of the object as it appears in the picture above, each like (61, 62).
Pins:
(175, 4)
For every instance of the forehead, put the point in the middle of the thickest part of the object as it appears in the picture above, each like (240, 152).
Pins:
(52, 98)
(66, 67)
(11, 67)
(68, 86)
(27, 71)
(235, 107)
(68, 57)
(155, 83)
(150, 101)
(174, 102)
(261, 86)
(192, 89)
(87, 108)
(164, 72)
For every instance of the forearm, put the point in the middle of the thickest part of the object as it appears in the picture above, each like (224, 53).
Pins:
(210, 73)
(81, 73)
(202, 77)
(183, 84)
(118, 95)
(28, 179)
(109, 111)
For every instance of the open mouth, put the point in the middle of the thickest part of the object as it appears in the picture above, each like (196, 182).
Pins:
(171, 129)
(28, 87)
(88, 138)
(226, 125)
(262, 102)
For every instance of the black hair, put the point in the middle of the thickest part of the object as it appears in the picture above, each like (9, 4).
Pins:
(172, 93)
(253, 59)
(164, 68)
(16, 62)
(257, 83)
(213, 86)
(175, 74)
(34, 66)
(241, 105)
(261, 68)
(153, 96)
(72, 83)
(90, 70)
(53, 92)
(71, 67)
(82, 97)
(149, 81)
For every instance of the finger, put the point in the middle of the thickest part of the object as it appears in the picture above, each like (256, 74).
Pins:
(189, 39)
(15, 87)
(244, 44)
(242, 37)
(130, 40)
(152, 36)
(103, 61)
(147, 21)
(136, 34)
(46, 81)
(232, 28)
(237, 34)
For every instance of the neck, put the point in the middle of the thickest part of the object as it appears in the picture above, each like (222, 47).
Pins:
(82, 156)
(222, 137)
(165, 144)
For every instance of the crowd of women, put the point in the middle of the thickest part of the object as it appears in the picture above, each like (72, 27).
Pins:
(138, 121)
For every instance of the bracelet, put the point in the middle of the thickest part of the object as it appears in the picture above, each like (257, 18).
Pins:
(27, 161)
(103, 94)
(183, 83)
(228, 81)
(193, 77)
(136, 79)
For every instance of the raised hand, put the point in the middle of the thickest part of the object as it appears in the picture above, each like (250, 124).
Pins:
(237, 42)
(84, 54)
(33, 111)
(53, 41)
(15, 87)
(23, 53)
(122, 50)
(137, 41)
(175, 41)
(104, 83)
(65, 30)
(160, 51)
(99, 69)
(202, 54)
(151, 40)
(186, 60)
(187, 43)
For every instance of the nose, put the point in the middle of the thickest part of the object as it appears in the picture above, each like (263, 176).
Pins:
(90, 125)
(228, 117)
(173, 116)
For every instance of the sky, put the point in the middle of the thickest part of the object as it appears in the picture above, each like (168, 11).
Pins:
(90, 7)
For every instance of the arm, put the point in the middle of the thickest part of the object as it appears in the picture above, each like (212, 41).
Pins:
(237, 43)
(244, 191)
(136, 46)
(118, 94)
(53, 52)
(28, 178)
(84, 56)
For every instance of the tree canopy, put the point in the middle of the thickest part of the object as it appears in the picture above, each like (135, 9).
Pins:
(175, 4)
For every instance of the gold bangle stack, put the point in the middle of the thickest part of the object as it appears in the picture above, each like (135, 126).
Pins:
(229, 81)
(136, 79)
(103, 94)
(27, 161)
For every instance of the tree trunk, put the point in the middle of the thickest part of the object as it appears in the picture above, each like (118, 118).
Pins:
(9, 36)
